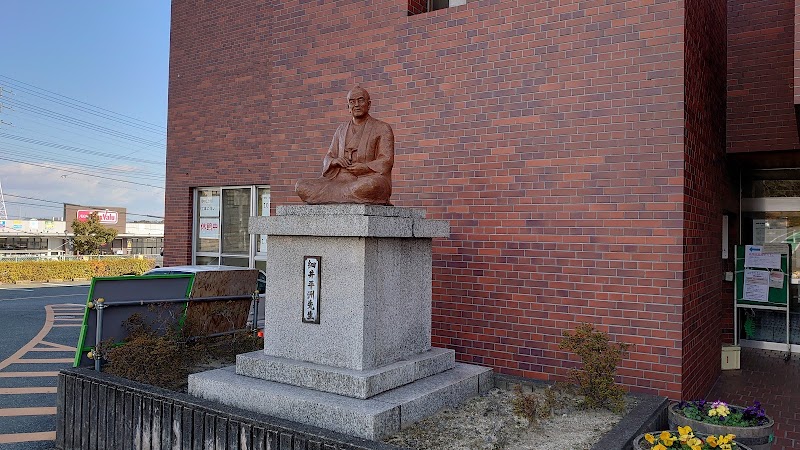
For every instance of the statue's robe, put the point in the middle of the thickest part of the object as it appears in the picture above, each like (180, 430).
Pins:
(373, 145)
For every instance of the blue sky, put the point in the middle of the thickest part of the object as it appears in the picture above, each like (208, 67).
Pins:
(83, 105)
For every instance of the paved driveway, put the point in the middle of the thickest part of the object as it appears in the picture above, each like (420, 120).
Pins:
(39, 327)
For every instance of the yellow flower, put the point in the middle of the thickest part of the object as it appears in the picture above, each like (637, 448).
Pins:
(667, 438)
(726, 447)
(695, 443)
(650, 438)
(685, 431)
(712, 412)
(712, 441)
(659, 447)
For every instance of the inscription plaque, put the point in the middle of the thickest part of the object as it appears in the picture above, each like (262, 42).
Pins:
(312, 270)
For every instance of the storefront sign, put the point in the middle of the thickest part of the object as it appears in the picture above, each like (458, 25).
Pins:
(209, 228)
(312, 268)
(104, 216)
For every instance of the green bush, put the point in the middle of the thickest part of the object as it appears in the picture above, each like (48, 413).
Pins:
(11, 272)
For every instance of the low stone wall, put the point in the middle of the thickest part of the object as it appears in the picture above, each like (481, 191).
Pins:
(97, 411)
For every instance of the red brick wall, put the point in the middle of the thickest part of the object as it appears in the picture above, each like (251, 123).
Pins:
(219, 107)
(708, 191)
(550, 136)
(797, 52)
(761, 114)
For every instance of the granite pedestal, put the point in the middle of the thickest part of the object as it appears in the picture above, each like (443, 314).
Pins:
(367, 368)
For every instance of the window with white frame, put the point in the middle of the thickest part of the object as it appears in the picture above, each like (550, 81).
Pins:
(221, 216)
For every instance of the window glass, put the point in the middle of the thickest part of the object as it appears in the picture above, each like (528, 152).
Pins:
(234, 261)
(23, 244)
(206, 260)
(422, 6)
(221, 219)
(235, 217)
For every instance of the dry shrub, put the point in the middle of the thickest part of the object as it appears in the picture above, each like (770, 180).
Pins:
(533, 407)
(166, 359)
(600, 360)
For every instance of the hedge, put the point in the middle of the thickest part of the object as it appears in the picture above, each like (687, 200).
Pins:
(12, 272)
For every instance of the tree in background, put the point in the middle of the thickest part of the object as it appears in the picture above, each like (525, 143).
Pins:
(91, 235)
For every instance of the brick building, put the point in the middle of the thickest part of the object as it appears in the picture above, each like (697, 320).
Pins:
(577, 148)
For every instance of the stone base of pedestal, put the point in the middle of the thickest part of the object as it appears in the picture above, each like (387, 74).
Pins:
(350, 383)
(347, 339)
(373, 418)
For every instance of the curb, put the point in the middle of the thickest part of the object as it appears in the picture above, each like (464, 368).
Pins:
(650, 414)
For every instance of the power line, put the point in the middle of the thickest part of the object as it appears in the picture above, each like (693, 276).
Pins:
(102, 116)
(12, 202)
(22, 152)
(78, 101)
(82, 123)
(74, 149)
(80, 173)
(104, 139)
(62, 205)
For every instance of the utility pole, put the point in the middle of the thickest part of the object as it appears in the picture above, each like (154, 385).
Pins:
(3, 212)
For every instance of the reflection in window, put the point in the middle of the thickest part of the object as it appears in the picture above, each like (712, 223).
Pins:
(771, 183)
(235, 216)
(423, 6)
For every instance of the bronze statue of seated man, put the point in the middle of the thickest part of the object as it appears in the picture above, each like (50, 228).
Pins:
(358, 165)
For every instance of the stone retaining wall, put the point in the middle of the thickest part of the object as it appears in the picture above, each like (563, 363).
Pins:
(98, 411)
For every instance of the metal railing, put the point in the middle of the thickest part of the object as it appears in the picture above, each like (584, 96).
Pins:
(100, 304)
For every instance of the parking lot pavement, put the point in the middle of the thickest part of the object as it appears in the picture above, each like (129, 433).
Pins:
(41, 326)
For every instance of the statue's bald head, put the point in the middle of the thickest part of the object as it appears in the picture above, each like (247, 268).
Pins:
(358, 91)
(358, 103)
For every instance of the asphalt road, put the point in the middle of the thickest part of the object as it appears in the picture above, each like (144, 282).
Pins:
(39, 326)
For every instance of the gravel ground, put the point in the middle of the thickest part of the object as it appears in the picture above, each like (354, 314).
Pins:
(488, 422)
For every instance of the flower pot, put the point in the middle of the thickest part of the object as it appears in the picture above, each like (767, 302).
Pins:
(639, 443)
(757, 438)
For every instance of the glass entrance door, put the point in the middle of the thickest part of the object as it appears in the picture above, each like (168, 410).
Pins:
(770, 214)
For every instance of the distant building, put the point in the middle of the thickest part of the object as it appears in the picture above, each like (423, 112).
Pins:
(34, 237)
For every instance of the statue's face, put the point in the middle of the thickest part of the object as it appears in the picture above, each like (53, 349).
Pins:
(358, 103)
